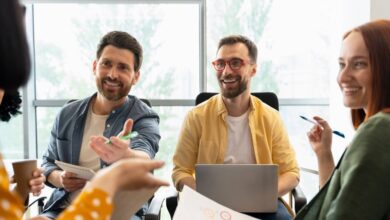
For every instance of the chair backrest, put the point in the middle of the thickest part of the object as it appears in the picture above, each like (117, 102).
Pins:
(147, 102)
(70, 101)
(269, 98)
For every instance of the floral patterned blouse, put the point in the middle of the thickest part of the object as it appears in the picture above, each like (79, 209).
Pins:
(90, 204)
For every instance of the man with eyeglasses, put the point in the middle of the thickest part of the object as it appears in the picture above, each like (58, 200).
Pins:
(235, 127)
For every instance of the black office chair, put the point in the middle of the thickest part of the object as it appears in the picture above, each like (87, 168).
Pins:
(297, 198)
(147, 102)
(267, 97)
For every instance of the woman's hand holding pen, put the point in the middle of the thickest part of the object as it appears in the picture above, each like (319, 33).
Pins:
(320, 137)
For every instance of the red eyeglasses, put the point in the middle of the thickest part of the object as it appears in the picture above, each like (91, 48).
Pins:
(234, 64)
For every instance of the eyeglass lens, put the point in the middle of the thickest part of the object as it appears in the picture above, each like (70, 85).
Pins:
(234, 64)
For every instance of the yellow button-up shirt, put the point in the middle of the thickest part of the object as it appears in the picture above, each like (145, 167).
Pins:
(203, 138)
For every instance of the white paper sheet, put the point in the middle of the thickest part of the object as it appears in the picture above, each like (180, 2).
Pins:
(194, 206)
(82, 172)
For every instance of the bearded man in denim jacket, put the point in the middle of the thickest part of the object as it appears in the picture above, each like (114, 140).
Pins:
(81, 130)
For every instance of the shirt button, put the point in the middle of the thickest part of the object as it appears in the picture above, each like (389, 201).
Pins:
(108, 125)
(113, 112)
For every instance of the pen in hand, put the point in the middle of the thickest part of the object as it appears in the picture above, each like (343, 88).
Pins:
(126, 137)
(338, 133)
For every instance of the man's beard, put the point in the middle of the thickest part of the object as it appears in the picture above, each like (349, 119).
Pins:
(232, 93)
(121, 92)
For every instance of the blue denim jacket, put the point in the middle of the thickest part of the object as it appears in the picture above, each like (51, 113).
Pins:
(67, 135)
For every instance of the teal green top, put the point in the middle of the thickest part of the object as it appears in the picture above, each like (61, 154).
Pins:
(359, 187)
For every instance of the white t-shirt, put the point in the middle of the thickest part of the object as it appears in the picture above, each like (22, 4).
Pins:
(240, 147)
(94, 126)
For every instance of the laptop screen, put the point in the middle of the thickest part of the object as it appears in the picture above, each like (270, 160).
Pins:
(241, 187)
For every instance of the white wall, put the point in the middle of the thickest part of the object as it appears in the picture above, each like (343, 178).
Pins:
(351, 13)
(379, 9)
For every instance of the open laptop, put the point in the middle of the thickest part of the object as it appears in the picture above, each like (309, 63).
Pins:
(241, 187)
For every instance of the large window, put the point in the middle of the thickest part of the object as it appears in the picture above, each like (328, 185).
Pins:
(64, 55)
(11, 142)
(298, 44)
(295, 53)
(66, 38)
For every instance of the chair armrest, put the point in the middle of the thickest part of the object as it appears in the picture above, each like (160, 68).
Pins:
(40, 202)
(299, 199)
(154, 210)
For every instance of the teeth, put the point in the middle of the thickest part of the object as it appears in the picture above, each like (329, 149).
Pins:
(350, 89)
(229, 80)
(111, 83)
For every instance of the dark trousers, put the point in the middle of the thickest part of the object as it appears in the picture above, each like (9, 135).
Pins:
(281, 214)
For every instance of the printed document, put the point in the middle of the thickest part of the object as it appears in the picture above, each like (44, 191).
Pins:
(194, 206)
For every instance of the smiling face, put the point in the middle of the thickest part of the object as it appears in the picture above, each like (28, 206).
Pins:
(114, 72)
(235, 82)
(355, 77)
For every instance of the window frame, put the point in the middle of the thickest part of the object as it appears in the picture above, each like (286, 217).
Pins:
(31, 103)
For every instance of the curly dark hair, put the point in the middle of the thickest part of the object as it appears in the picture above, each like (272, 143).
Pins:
(10, 105)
